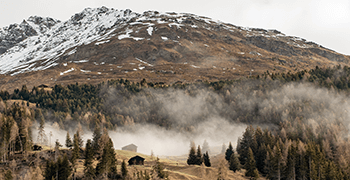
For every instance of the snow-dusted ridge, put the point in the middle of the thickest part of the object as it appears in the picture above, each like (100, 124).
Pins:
(48, 39)
(83, 28)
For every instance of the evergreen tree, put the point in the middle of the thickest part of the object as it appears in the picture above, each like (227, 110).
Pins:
(69, 143)
(124, 170)
(289, 171)
(192, 156)
(234, 163)
(261, 159)
(80, 139)
(76, 149)
(199, 159)
(248, 141)
(107, 164)
(50, 170)
(64, 169)
(95, 138)
(250, 166)
(276, 163)
(41, 132)
(229, 152)
(89, 170)
(206, 159)
(310, 157)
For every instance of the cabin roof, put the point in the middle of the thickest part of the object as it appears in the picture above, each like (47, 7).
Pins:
(137, 158)
(130, 146)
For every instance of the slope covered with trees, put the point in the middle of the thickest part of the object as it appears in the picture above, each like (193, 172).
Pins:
(304, 118)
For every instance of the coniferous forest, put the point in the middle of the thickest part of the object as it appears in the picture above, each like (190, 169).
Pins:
(297, 124)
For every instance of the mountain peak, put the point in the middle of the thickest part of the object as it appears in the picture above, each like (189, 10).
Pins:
(100, 36)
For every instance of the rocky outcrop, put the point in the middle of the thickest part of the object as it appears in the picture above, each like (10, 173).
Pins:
(15, 33)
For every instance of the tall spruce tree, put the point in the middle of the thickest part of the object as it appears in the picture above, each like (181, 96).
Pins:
(261, 159)
(206, 159)
(89, 170)
(41, 132)
(76, 149)
(69, 142)
(107, 165)
(251, 170)
(248, 141)
(64, 168)
(50, 170)
(191, 160)
(124, 170)
(234, 163)
(95, 138)
(79, 138)
(229, 152)
(276, 162)
(289, 171)
(199, 159)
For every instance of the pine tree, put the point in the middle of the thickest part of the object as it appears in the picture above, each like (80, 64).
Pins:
(261, 158)
(69, 143)
(107, 165)
(309, 159)
(192, 156)
(206, 159)
(289, 171)
(80, 139)
(276, 162)
(124, 170)
(76, 149)
(89, 170)
(41, 132)
(57, 149)
(234, 163)
(64, 169)
(250, 166)
(248, 141)
(199, 159)
(229, 152)
(96, 136)
(50, 170)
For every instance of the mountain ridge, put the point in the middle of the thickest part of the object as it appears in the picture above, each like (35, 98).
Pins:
(104, 43)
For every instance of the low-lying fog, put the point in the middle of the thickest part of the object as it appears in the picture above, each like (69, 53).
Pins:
(162, 142)
(203, 112)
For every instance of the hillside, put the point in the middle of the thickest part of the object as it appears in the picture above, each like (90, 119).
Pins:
(99, 44)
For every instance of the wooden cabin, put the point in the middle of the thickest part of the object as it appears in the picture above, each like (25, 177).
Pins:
(136, 160)
(130, 147)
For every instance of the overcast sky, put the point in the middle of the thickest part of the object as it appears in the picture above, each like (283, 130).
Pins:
(325, 22)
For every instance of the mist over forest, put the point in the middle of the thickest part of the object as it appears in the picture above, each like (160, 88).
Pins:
(166, 120)
(269, 114)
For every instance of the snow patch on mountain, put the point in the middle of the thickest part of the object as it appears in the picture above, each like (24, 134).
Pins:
(83, 28)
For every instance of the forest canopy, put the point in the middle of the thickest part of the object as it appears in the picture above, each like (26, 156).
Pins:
(301, 115)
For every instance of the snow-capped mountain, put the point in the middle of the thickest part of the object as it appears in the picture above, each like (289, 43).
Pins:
(106, 36)
(15, 33)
